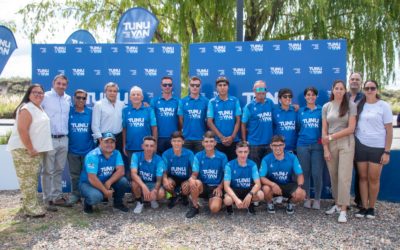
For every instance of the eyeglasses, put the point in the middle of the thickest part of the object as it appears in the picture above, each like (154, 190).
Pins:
(287, 96)
(37, 93)
(167, 85)
(80, 98)
(369, 88)
(259, 90)
(277, 145)
(222, 84)
(195, 85)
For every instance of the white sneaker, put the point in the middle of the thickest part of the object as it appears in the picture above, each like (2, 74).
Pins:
(316, 205)
(342, 217)
(332, 210)
(139, 208)
(154, 204)
(307, 203)
(256, 203)
(278, 200)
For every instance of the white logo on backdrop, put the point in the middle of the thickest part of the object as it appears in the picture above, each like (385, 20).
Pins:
(276, 70)
(334, 46)
(95, 49)
(168, 50)
(136, 30)
(219, 48)
(43, 72)
(295, 46)
(60, 49)
(315, 70)
(257, 47)
(114, 72)
(202, 72)
(150, 72)
(78, 72)
(132, 49)
(239, 71)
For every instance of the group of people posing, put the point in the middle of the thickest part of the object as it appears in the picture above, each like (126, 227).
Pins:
(184, 149)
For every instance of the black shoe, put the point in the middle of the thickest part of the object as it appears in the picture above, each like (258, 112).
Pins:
(192, 212)
(121, 207)
(361, 213)
(185, 200)
(370, 214)
(105, 201)
(229, 210)
(87, 209)
(290, 208)
(251, 210)
(51, 207)
(172, 202)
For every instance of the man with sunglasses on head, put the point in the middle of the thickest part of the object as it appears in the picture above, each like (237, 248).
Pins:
(276, 173)
(166, 111)
(257, 126)
(80, 141)
(223, 118)
(56, 104)
(192, 115)
(355, 95)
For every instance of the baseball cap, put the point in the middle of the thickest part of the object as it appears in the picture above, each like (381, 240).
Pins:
(107, 135)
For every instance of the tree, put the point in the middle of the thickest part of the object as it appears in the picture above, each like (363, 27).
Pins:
(371, 27)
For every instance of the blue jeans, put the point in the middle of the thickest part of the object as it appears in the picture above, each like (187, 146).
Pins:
(311, 159)
(94, 196)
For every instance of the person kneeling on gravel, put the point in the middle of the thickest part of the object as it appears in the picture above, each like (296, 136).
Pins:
(207, 177)
(103, 175)
(147, 170)
(276, 176)
(242, 181)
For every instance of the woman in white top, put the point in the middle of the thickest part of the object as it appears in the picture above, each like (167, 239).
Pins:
(338, 124)
(374, 136)
(30, 137)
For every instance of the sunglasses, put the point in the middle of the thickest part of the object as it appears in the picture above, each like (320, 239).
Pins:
(369, 88)
(287, 96)
(80, 98)
(167, 85)
(259, 90)
(195, 85)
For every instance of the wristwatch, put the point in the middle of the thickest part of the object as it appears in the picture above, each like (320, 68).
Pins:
(251, 193)
(300, 186)
(386, 152)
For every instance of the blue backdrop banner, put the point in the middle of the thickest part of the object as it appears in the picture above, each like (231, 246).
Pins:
(7, 46)
(81, 37)
(136, 25)
(90, 67)
(282, 64)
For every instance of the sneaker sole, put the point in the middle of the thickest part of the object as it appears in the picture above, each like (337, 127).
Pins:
(271, 212)
(359, 216)
(370, 217)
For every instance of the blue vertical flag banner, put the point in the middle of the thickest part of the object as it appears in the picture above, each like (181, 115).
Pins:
(7, 46)
(281, 64)
(81, 37)
(136, 25)
(90, 67)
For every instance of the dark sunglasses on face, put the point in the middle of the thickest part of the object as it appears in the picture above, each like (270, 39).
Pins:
(167, 84)
(287, 96)
(80, 98)
(195, 85)
(369, 88)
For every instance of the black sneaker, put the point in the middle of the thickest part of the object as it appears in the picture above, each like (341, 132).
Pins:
(121, 207)
(185, 200)
(105, 201)
(361, 213)
(87, 209)
(270, 208)
(290, 208)
(229, 210)
(370, 214)
(251, 210)
(192, 212)
(172, 202)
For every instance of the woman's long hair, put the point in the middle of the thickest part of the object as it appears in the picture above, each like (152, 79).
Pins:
(25, 99)
(344, 105)
(360, 105)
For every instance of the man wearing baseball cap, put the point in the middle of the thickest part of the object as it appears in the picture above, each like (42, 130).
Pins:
(103, 175)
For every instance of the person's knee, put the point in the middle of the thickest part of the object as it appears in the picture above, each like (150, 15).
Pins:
(185, 188)
(228, 201)
(93, 197)
(215, 206)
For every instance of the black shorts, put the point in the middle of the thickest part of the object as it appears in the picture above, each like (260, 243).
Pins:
(287, 189)
(208, 191)
(178, 181)
(364, 153)
(241, 193)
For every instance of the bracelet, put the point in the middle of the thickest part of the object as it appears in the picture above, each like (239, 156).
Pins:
(251, 193)
(386, 152)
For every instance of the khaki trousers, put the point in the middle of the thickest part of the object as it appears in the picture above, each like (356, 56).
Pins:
(341, 168)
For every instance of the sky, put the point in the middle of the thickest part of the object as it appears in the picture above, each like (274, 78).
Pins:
(20, 62)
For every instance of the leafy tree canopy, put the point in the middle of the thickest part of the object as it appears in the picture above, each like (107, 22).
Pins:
(371, 27)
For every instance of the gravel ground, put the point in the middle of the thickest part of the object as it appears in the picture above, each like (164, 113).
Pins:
(167, 228)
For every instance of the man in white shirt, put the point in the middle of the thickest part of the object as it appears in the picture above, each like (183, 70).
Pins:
(107, 116)
(56, 104)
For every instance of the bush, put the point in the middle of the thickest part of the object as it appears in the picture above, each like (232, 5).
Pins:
(8, 104)
(4, 138)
